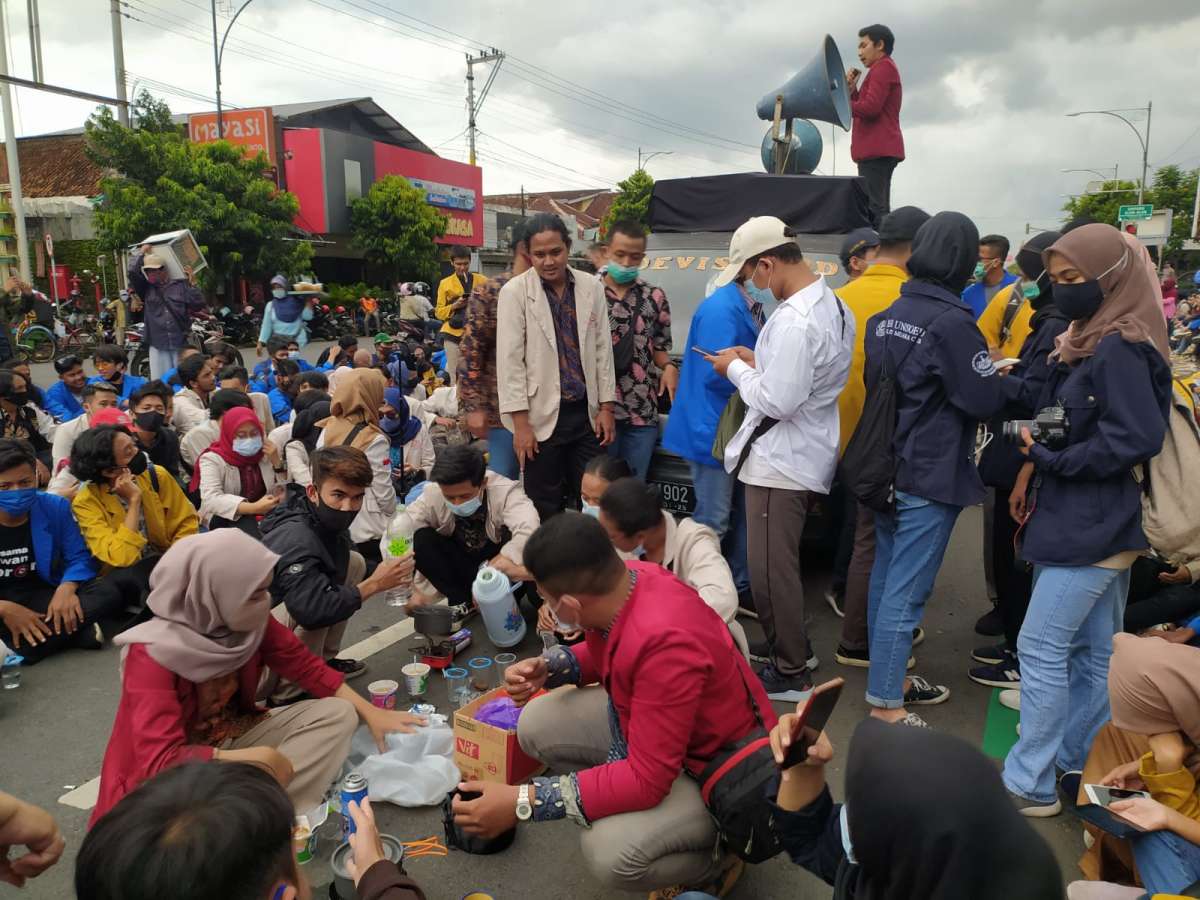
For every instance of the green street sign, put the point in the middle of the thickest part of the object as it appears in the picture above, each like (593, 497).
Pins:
(1137, 212)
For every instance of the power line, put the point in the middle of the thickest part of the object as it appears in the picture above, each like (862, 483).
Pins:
(547, 161)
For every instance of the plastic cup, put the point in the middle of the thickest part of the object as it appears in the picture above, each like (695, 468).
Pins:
(303, 839)
(483, 674)
(458, 685)
(416, 678)
(383, 693)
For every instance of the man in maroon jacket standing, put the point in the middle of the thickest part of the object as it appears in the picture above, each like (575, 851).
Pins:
(876, 143)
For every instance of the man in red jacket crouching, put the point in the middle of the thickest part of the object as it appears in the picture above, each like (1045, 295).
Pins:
(651, 694)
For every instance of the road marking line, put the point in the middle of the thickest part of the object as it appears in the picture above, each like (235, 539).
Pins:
(85, 796)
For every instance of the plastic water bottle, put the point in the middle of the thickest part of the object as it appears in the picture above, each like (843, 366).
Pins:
(493, 594)
(10, 671)
(397, 542)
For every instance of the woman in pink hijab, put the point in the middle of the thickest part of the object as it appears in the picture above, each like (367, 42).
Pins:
(190, 675)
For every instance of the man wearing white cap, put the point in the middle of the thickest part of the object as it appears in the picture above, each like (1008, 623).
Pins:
(787, 445)
(169, 304)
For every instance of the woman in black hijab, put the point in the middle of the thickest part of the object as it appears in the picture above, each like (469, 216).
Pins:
(1000, 466)
(926, 817)
(944, 383)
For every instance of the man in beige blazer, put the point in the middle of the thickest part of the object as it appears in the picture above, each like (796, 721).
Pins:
(555, 375)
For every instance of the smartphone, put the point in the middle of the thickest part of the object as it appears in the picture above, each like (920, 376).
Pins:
(1102, 795)
(811, 721)
(704, 352)
(1006, 362)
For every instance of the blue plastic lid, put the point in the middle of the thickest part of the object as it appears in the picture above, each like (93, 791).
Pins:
(13, 659)
(480, 662)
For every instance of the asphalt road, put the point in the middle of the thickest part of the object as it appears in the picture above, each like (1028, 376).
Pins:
(56, 725)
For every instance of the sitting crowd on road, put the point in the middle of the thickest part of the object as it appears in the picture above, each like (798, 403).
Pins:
(222, 528)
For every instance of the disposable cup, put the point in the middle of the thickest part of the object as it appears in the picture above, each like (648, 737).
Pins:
(303, 838)
(483, 672)
(383, 693)
(416, 678)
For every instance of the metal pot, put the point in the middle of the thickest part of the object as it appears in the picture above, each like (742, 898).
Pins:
(343, 884)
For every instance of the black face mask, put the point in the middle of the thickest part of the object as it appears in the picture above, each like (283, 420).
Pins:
(334, 520)
(137, 465)
(19, 398)
(114, 377)
(151, 420)
(1079, 301)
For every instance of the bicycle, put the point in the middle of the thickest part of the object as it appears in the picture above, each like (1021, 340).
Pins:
(33, 342)
(80, 338)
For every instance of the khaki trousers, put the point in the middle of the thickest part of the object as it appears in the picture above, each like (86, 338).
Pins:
(673, 843)
(315, 736)
(453, 355)
(774, 525)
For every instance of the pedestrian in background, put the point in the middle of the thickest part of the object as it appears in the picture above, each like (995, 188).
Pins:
(169, 304)
(452, 295)
(554, 368)
(640, 318)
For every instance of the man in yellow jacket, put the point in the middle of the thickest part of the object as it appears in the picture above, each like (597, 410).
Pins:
(453, 293)
(872, 292)
(1006, 322)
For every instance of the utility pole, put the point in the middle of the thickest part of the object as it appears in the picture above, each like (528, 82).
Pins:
(644, 158)
(473, 105)
(35, 39)
(523, 198)
(14, 165)
(118, 60)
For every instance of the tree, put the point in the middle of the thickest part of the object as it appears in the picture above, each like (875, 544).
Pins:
(163, 182)
(1172, 189)
(395, 228)
(633, 201)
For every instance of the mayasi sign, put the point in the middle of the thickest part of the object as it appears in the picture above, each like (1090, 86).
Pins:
(251, 129)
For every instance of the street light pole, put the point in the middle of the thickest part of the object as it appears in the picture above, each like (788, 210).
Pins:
(218, 55)
(642, 160)
(1145, 142)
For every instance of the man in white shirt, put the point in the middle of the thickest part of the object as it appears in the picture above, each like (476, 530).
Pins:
(787, 446)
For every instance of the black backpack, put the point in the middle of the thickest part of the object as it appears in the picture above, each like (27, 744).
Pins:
(870, 456)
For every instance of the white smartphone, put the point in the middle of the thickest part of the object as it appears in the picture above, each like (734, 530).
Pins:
(1102, 795)
(1006, 362)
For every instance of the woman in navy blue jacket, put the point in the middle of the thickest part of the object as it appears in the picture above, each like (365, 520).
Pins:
(946, 383)
(1082, 519)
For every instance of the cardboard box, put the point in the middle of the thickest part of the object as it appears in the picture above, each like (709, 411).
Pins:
(178, 249)
(487, 753)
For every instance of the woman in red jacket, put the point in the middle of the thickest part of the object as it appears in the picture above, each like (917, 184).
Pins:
(189, 678)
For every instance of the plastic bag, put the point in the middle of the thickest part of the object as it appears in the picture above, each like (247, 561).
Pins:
(502, 713)
(417, 770)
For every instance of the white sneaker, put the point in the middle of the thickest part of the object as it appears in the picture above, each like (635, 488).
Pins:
(835, 603)
(1011, 698)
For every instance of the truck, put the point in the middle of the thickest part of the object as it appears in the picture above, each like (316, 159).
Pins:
(691, 223)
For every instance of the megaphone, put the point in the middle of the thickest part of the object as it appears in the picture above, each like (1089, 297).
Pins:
(818, 91)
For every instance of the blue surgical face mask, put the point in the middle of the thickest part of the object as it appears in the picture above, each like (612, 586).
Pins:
(18, 502)
(639, 551)
(622, 274)
(589, 509)
(278, 293)
(247, 446)
(1030, 289)
(467, 507)
(757, 294)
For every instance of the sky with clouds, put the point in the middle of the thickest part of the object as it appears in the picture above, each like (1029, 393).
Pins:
(987, 85)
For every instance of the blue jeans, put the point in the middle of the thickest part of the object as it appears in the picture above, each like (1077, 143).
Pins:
(1064, 648)
(909, 546)
(501, 456)
(635, 444)
(721, 505)
(1167, 863)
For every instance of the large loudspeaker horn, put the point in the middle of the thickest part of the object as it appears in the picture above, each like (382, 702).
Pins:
(818, 91)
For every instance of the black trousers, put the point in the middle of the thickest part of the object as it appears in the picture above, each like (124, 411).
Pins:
(1014, 577)
(553, 476)
(448, 565)
(845, 506)
(371, 555)
(100, 605)
(878, 173)
(1173, 603)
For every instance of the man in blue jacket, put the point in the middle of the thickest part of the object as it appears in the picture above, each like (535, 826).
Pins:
(732, 316)
(43, 563)
(64, 400)
(111, 363)
(945, 384)
(990, 275)
(170, 304)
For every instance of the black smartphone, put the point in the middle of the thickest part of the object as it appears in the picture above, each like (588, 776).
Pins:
(811, 721)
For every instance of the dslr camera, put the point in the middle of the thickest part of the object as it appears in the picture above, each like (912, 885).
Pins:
(1049, 428)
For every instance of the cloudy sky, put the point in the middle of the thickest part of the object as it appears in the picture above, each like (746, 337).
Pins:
(987, 84)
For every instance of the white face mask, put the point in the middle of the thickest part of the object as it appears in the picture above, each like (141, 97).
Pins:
(278, 293)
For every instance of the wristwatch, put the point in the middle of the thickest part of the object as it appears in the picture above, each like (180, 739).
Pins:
(524, 807)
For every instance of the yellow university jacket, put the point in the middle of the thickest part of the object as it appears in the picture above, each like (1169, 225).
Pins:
(991, 322)
(449, 290)
(872, 292)
(168, 513)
